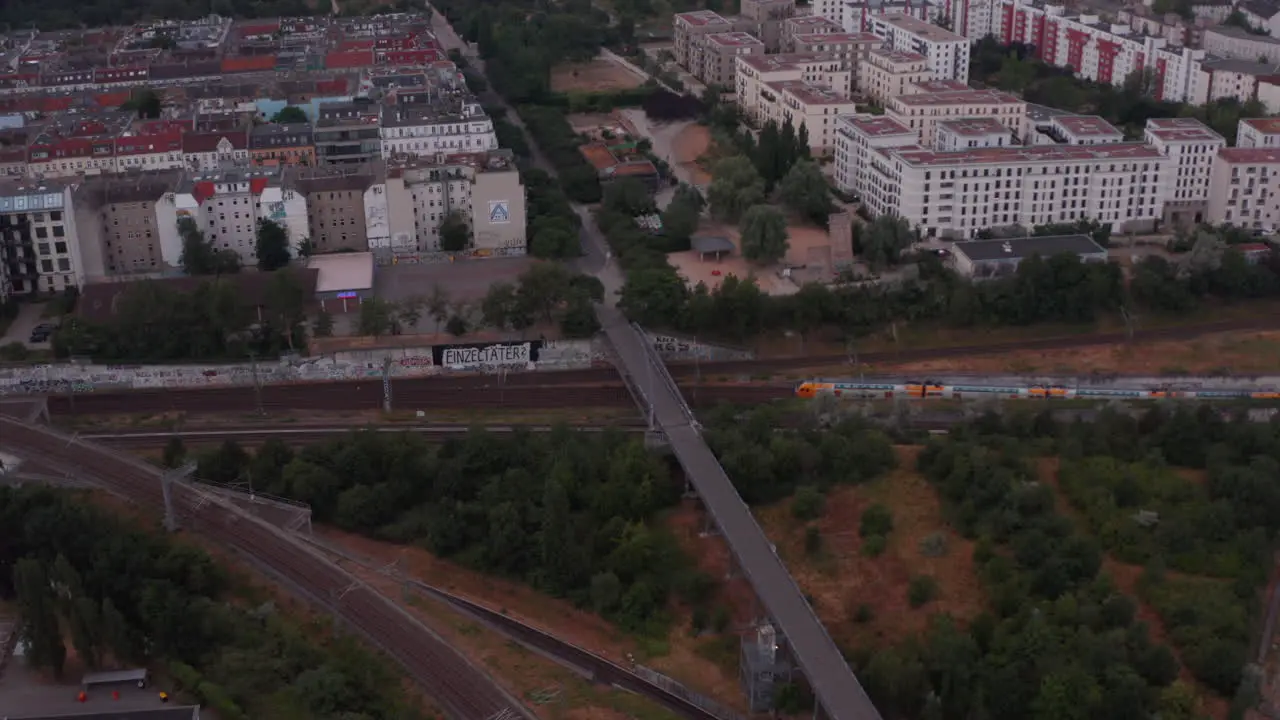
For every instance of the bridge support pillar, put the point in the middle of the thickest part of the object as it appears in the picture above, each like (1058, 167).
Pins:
(166, 488)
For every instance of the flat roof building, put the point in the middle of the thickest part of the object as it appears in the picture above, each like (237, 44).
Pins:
(947, 52)
(993, 258)
(343, 280)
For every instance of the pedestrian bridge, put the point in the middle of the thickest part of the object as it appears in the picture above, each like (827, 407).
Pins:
(840, 696)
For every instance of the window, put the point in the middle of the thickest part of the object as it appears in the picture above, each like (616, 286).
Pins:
(59, 231)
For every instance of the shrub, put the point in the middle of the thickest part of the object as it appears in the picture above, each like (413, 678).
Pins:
(808, 503)
(933, 545)
(875, 545)
(922, 590)
(876, 520)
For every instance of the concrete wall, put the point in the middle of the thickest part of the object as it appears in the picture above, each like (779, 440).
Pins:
(342, 365)
(680, 347)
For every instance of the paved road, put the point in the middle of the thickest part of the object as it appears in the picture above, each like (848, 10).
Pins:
(833, 682)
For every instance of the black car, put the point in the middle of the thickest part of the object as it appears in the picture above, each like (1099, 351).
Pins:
(42, 332)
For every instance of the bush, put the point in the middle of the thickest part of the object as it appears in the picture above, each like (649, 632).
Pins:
(934, 545)
(808, 503)
(876, 520)
(922, 590)
(812, 540)
(875, 545)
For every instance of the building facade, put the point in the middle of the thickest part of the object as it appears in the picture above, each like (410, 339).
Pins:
(923, 111)
(39, 245)
(1245, 188)
(1191, 148)
(888, 74)
(946, 52)
(756, 72)
(450, 125)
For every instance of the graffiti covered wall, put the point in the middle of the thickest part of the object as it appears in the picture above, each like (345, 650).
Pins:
(675, 347)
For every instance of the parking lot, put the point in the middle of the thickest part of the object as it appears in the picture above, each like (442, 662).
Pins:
(465, 281)
(20, 330)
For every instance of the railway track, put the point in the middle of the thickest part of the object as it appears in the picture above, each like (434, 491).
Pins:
(462, 690)
(249, 435)
(406, 395)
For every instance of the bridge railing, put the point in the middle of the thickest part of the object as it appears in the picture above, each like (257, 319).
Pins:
(661, 375)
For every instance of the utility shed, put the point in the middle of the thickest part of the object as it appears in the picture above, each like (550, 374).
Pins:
(707, 245)
(344, 281)
(994, 258)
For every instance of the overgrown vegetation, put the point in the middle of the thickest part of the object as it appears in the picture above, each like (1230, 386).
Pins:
(568, 513)
(126, 598)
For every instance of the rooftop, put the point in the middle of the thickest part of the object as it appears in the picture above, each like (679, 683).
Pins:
(959, 97)
(810, 94)
(342, 271)
(1046, 155)
(838, 37)
(877, 125)
(1087, 126)
(734, 39)
(803, 21)
(1181, 130)
(1266, 125)
(1250, 155)
(920, 28)
(699, 18)
(1024, 247)
(898, 56)
(783, 61)
(974, 127)
(937, 86)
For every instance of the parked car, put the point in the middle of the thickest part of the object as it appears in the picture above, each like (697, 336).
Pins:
(42, 332)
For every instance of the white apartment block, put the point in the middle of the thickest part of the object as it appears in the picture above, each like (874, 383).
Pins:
(39, 245)
(856, 15)
(1245, 188)
(1258, 133)
(719, 56)
(405, 212)
(688, 29)
(923, 111)
(832, 10)
(888, 74)
(974, 19)
(806, 25)
(1103, 52)
(947, 52)
(970, 134)
(857, 138)
(1191, 148)
(226, 206)
(814, 108)
(449, 126)
(851, 49)
(756, 72)
(956, 194)
(1214, 79)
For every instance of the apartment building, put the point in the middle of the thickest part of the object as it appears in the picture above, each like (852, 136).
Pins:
(756, 72)
(973, 19)
(204, 151)
(1216, 79)
(832, 10)
(335, 197)
(39, 245)
(806, 25)
(764, 19)
(1258, 133)
(689, 28)
(888, 74)
(1245, 188)
(282, 144)
(125, 226)
(346, 133)
(946, 52)
(813, 108)
(956, 194)
(851, 49)
(452, 124)
(720, 55)
(1082, 130)
(1104, 52)
(406, 211)
(971, 133)
(1238, 44)
(1191, 147)
(84, 147)
(856, 15)
(226, 206)
(923, 111)
(151, 149)
(857, 138)
(1262, 15)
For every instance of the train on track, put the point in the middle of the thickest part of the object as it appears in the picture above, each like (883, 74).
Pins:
(928, 389)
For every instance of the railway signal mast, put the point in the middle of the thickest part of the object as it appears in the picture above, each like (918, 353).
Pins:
(166, 488)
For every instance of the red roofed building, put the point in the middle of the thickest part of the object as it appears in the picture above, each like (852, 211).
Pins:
(1244, 188)
(149, 151)
(227, 204)
(55, 156)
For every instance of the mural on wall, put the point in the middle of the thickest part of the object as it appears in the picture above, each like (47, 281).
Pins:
(499, 212)
(487, 355)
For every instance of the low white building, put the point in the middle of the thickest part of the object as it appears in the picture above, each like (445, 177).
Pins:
(971, 133)
(811, 107)
(1083, 130)
(980, 259)
(946, 52)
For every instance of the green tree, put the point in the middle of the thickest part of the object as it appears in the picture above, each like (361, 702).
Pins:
(543, 287)
(39, 628)
(882, 242)
(654, 296)
(199, 257)
(175, 452)
(764, 234)
(323, 326)
(375, 317)
(455, 232)
(437, 304)
(807, 503)
(272, 246)
(735, 187)
(806, 192)
(290, 114)
(286, 301)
